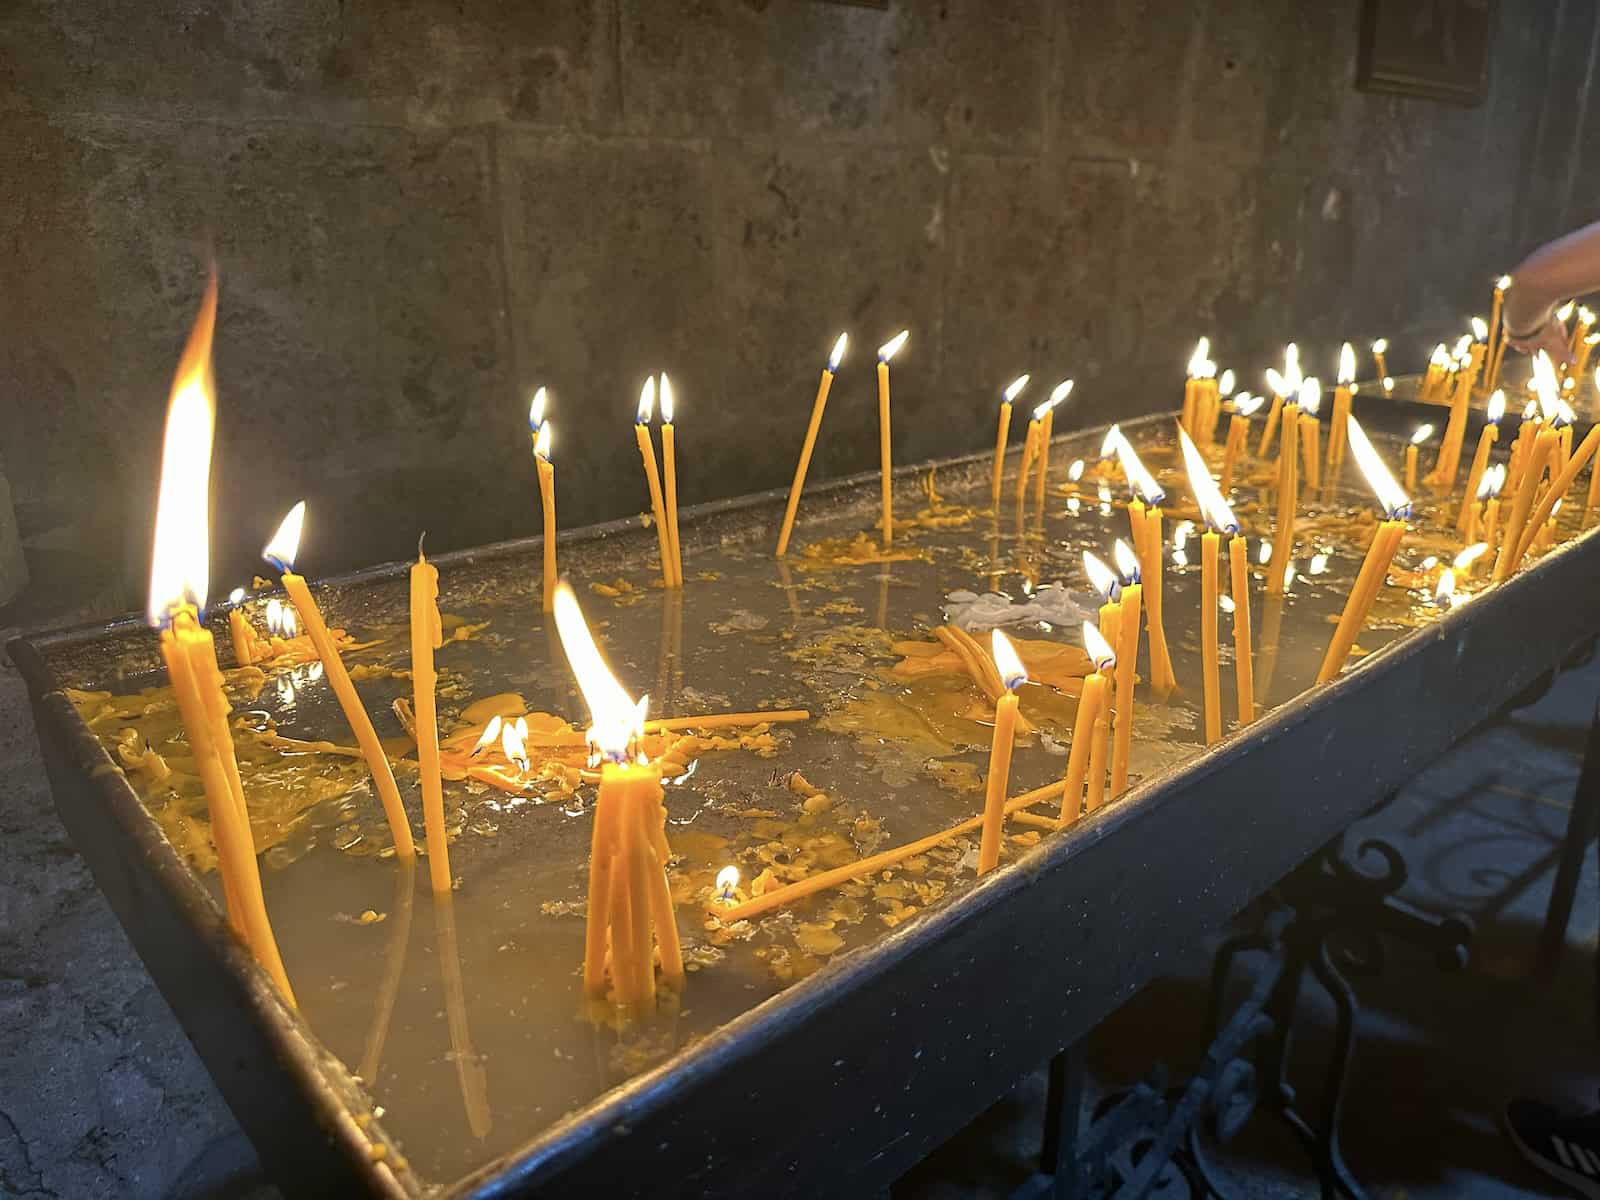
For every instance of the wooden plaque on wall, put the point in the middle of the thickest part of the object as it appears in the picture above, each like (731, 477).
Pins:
(1438, 49)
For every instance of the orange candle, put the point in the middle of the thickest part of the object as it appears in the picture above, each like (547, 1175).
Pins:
(1130, 599)
(1013, 676)
(1013, 389)
(1244, 406)
(1309, 433)
(1480, 458)
(280, 552)
(1288, 500)
(1423, 433)
(426, 635)
(1375, 567)
(1379, 349)
(817, 405)
(1218, 517)
(669, 475)
(1243, 651)
(547, 496)
(1091, 702)
(652, 478)
(885, 458)
(1341, 401)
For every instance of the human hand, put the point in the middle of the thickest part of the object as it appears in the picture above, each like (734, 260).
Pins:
(1550, 336)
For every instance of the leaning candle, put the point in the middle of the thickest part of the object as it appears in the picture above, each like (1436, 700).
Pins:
(1244, 407)
(821, 402)
(1047, 430)
(547, 495)
(1091, 701)
(1396, 506)
(1379, 349)
(1013, 389)
(178, 581)
(1423, 433)
(1288, 500)
(280, 552)
(1131, 599)
(629, 896)
(1480, 458)
(1013, 676)
(1558, 489)
(1104, 580)
(426, 635)
(1497, 331)
(1443, 475)
(1152, 557)
(1341, 401)
(652, 478)
(669, 476)
(1532, 468)
(886, 464)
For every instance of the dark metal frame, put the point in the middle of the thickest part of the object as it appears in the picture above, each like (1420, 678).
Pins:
(850, 1077)
(1371, 75)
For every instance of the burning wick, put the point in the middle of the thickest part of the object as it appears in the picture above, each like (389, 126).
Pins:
(727, 881)
(491, 734)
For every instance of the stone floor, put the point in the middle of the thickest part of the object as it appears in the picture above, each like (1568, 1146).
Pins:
(101, 1095)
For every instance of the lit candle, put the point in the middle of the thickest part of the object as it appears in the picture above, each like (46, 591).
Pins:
(1585, 353)
(1379, 349)
(180, 566)
(885, 353)
(547, 494)
(1131, 599)
(629, 897)
(1202, 351)
(1434, 376)
(1013, 676)
(1218, 518)
(1243, 651)
(1288, 500)
(246, 643)
(1396, 505)
(652, 478)
(1341, 399)
(1468, 558)
(669, 477)
(1146, 504)
(1557, 491)
(1493, 481)
(1480, 458)
(1013, 389)
(1104, 580)
(426, 635)
(1283, 388)
(1446, 466)
(1244, 407)
(1580, 331)
(281, 552)
(1497, 332)
(1091, 703)
(1221, 391)
(1030, 451)
(1046, 430)
(1310, 432)
(820, 403)
(1423, 433)
(1533, 467)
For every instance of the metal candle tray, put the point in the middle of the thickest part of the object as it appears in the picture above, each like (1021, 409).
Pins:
(844, 1080)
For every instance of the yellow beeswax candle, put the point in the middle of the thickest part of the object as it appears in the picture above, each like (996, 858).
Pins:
(1013, 676)
(806, 447)
(1003, 433)
(669, 477)
(1243, 652)
(1210, 542)
(886, 463)
(1091, 703)
(280, 552)
(1379, 349)
(1288, 501)
(652, 478)
(426, 634)
(1131, 601)
(547, 497)
(1341, 401)
(1480, 458)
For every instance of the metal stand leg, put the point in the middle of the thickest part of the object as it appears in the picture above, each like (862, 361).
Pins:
(1583, 825)
(1063, 1116)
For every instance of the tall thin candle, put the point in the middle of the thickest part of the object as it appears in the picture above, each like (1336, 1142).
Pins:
(1013, 390)
(1012, 676)
(885, 457)
(824, 385)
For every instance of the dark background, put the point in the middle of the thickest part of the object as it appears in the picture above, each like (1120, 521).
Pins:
(423, 210)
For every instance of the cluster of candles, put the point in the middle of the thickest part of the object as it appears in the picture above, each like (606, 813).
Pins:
(631, 925)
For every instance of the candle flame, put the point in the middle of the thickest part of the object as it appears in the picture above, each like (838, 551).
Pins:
(1207, 495)
(1139, 479)
(1127, 561)
(1381, 346)
(1444, 591)
(1564, 313)
(1075, 471)
(541, 441)
(1530, 410)
(1040, 410)
(1099, 650)
(1394, 501)
(536, 410)
(236, 597)
(1113, 438)
(180, 557)
(1497, 407)
(282, 620)
(490, 734)
(1494, 478)
(647, 402)
(616, 722)
(1225, 603)
(1197, 360)
(284, 547)
(665, 391)
(1423, 433)
(1061, 391)
(1015, 387)
(1503, 283)
(892, 347)
(1440, 356)
(1546, 386)
(1226, 382)
(1264, 552)
(1480, 328)
(1347, 359)
(1278, 384)
(1012, 673)
(1463, 343)
(836, 355)
(1248, 405)
(727, 881)
(514, 746)
(1291, 368)
(1564, 414)
(1310, 395)
(1101, 577)
(1470, 555)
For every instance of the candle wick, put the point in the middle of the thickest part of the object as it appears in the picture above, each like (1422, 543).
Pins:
(422, 537)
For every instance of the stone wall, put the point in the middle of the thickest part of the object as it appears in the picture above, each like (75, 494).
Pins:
(421, 210)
